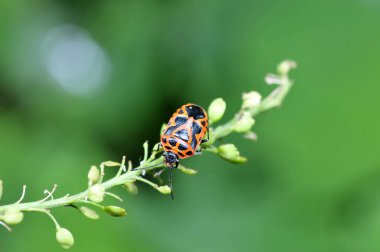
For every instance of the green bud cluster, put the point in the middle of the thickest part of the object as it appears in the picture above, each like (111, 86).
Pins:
(244, 122)
(230, 153)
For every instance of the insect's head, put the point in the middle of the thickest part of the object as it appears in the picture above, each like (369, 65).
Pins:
(171, 159)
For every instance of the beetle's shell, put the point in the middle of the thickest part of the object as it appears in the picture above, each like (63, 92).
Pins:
(185, 130)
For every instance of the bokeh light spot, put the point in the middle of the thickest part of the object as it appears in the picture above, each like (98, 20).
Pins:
(74, 60)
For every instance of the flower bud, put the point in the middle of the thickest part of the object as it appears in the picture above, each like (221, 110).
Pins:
(88, 212)
(284, 67)
(216, 110)
(251, 136)
(251, 99)
(162, 129)
(13, 216)
(131, 188)
(230, 153)
(115, 211)
(93, 175)
(164, 189)
(271, 79)
(64, 238)
(96, 193)
(1, 188)
(244, 123)
(111, 163)
(187, 171)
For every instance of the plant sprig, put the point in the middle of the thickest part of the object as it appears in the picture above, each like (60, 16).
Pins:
(127, 176)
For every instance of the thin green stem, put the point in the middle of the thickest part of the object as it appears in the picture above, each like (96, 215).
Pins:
(47, 212)
(91, 203)
(147, 182)
(5, 226)
(276, 98)
(67, 200)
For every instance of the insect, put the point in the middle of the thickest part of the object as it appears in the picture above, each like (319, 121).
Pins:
(183, 134)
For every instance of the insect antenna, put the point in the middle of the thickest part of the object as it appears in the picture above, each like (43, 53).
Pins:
(144, 168)
(171, 182)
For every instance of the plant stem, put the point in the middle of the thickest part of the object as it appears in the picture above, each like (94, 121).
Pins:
(274, 99)
(67, 200)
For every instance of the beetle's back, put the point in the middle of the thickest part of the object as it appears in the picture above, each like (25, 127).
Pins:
(185, 130)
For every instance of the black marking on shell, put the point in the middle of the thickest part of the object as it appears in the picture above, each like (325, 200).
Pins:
(195, 111)
(189, 153)
(196, 130)
(170, 130)
(172, 142)
(182, 147)
(182, 134)
(180, 154)
(180, 120)
(193, 143)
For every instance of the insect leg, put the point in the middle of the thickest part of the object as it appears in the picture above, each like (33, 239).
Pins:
(199, 151)
(208, 137)
(176, 164)
(157, 174)
(171, 181)
(159, 145)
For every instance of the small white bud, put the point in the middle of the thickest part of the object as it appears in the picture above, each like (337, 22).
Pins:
(111, 163)
(64, 238)
(244, 123)
(13, 216)
(164, 189)
(271, 79)
(96, 193)
(88, 212)
(284, 67)
(251, 99)
(115, 211)
(187, 171)
(216, 110)
(251, 136)
(230, 153)
(93, 175)
(131, 188)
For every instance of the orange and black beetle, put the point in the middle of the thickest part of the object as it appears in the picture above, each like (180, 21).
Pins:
(184, 133)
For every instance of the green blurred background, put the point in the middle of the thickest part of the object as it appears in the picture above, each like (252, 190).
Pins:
(86, 81)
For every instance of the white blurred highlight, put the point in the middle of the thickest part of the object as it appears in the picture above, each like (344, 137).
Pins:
(74, 60)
